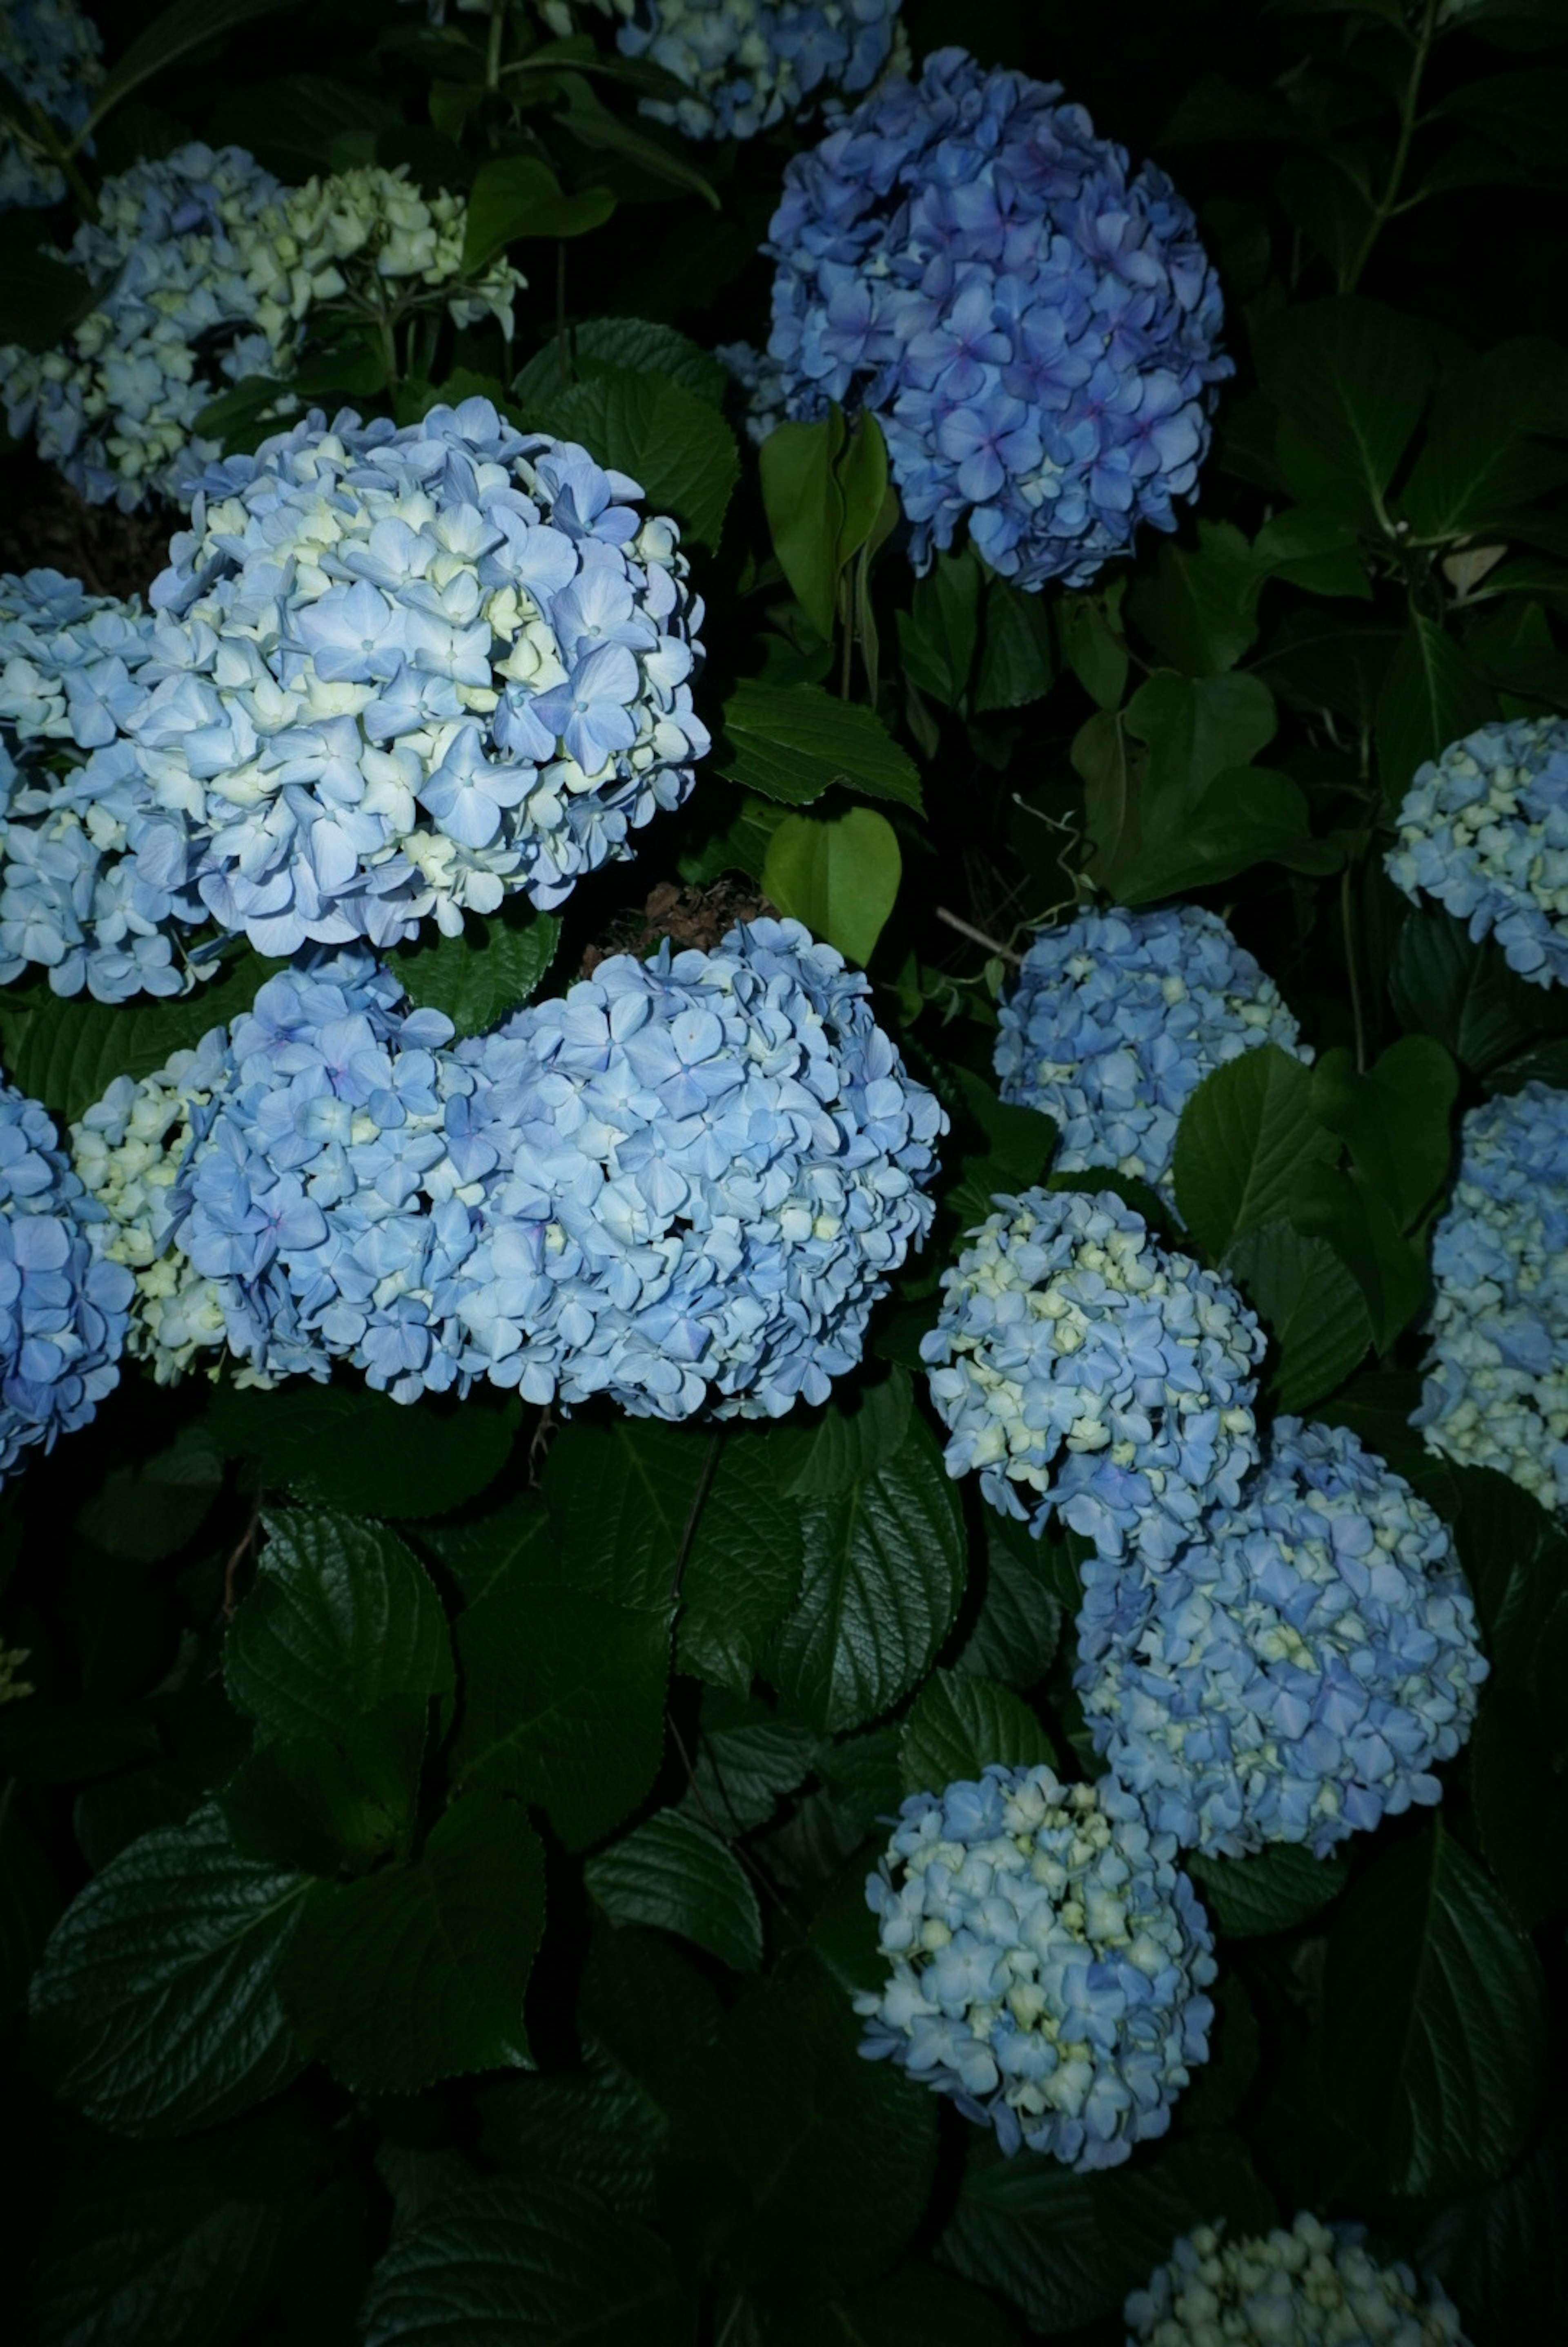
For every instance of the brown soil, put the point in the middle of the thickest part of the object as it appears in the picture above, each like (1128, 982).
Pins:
(47, 527)
(687, 916)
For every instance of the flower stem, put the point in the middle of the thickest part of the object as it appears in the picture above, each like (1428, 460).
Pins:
(1389, 202)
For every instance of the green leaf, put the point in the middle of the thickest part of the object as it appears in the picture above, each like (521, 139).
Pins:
(1520, 1789)
(884, 1574)
(342, 1617)
(596, 2130)
(156, 2008)
(1315, 549)
(646, 2008)
(1244, 1136)
(1094, 647)
(323, 1802)
(840, 877)
(1019, 1626)
(67, 1052)
(1246, 815)
(1395, 1120)
(302, 122)
(346, 1447)
(1281, 1887)
(477, 979)
(1068, 2249)
(1352, 376)
(417, 1972)
(42, 300)
(1515, 1555)
(1502, 2254)
(149, 1510)
(650, 349)
(1436, 2020)
(939, 636)
(513, 1541)
(1311, 1304)
(1363, 1230)
(564, 1702)
(794, 741)
(1430, 697)
(959, 1725)
(805, 508)
(677, 446)
(187, 24)
(674, 1873)
(606, 133)
(1198, 609)
(747, 1757)
(1016, 662)
(515, 196)
(491, 2265)
(1482, 460)
(1464, 994)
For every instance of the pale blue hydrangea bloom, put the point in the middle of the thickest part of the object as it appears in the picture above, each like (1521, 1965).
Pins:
(1297, 1669)
(1036, 327)
(73, 900)
(409, 672)
(63, 1305)
(52, 59)
(1496, 1386)
(1115, 1020)
(748, 63)
(683, 1185)
(1089, 1372)
(1312, 2286)
(1484, 829)
(1048, 1962)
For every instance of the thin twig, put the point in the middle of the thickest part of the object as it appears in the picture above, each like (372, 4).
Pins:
(978, 936)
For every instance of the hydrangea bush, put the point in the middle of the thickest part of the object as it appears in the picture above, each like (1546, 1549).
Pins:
(51, 61)
(1088, 1372)
(1496, 1388)
(1299, 1667)
(1114, 1021)
(1047, 1962)
(748, 63)
(1484, 830)
(1035, 326)
(1312, 2286)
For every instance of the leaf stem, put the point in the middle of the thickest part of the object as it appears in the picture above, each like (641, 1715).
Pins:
(698, 1501)
(1347, 921)
(1387, 203)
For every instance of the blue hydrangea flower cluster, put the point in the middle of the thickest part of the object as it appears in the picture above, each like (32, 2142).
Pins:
(398, 672)
(63, 1305)
(1496, 1386)
(1048, 1962)
(1308, 2287)
(73, 900)
(1035, 326)
(1297, 1669)
(747, 64)
(684, 1184)
(1088, 1372)
(1484, 829)
(52, 59)
(209, 271)
(1115, 1020)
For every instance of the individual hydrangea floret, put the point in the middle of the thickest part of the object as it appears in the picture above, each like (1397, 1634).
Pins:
(1116, 1018)
(683, 1185)
(1048, 1962)
(1036, 325)
(73, 900)
(1299, 1667)
(748, 63)
(1484, 829)
(63, 1305)
(1496, 1386)
(209, 274)
(52, 59)
(1087, 1371)
(408, 672)
(1308, 2287)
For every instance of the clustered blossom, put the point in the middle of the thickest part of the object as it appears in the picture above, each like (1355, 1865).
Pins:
(1496, 1386)
(73, 900)
(1484, 829)
(1312, 2286)
(1300, 1665)
(1116, 1018)
(407, 671)
(684, 1184)
(63, 1306)
(1048, 1962)
(1087, 1371)
(209, 274)
(51, 58)
(748, 63)
(1035, 326)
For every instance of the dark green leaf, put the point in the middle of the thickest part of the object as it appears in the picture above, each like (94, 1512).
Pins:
(324, 1802)
(677, 446)
(1198, 607)
(1430, 697)
(155, 2007)
(794, 741)
(858, 1433)
(959, 1725)
(1331, 207)
(1482, 460)
(1280, 1887)
(41, 299)
(840, 877)
(598, 2130)
(1362, 1228)
(606, 133)
(303, 122)
(1464, 994)
(650, 349)
(805, 508)
(747, 1757)
(674, 1873)
(478, 977)
(1520, 1789)
(349, 1448)
(1503, 2253)
(939, 636)
(515, 1543)
(1394, 1118)
(1016, 662)
(66, 1051)
(1019, 1625)
(647, 2008)
(518, 195)
(1515, 1555)
(1244, 1136)
(149, 1510)
(1246, 815)
(1311, 1304)
(1095, 647)
(187, 24)
(1352, 376)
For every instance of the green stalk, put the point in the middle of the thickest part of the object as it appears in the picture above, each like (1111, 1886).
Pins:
(1388, 204)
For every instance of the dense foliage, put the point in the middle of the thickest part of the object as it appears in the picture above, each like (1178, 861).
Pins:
(783, 1173)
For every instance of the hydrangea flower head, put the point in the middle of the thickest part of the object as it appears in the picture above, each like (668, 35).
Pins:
(51, 58)
(1308, 2287)
(748, 63)
(63, 1305)
(1496, 1386)
(1114, 1022)
(1048, 1962)
(1484, 829)
(1036, 325)
(1087, 1371)
(1297, 1669)
(405, 671)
